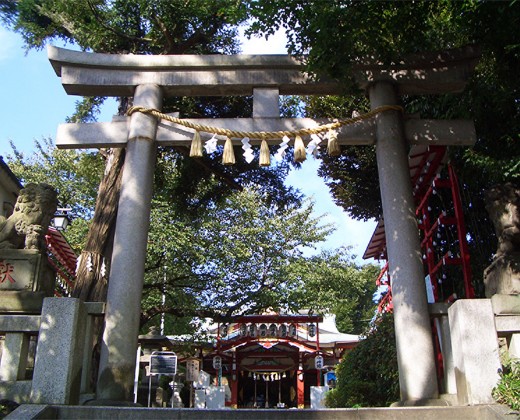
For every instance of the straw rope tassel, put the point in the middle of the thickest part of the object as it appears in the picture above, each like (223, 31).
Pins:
(300, 154)
(228, 158)
(333, 147)
(265, 158)
(196, 145)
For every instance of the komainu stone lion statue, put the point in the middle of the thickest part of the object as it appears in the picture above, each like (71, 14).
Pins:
(33, 212)
(503, 206)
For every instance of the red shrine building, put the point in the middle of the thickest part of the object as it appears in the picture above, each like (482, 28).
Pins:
(261, 361)
(273, 360)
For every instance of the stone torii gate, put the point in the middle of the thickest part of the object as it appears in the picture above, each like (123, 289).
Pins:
(149, 78)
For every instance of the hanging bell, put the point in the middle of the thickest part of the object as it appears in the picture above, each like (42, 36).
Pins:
(265, 157)
(228, 158)
(196, 145)
(333, 147)
(300, 154)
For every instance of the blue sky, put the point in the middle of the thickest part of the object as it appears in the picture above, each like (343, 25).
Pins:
(34, 103)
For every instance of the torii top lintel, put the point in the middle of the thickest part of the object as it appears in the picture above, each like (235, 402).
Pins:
(94, 74)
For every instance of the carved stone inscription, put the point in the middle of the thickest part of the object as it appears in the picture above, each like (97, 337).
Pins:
(19, 270)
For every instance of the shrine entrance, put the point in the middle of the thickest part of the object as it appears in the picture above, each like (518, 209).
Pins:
(274, 360)
(149, 78)
(267, 376)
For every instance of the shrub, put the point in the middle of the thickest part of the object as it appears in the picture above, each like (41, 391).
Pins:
(507, 390)
(368, 375)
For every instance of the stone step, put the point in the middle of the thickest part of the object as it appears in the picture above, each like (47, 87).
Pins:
(481, 412)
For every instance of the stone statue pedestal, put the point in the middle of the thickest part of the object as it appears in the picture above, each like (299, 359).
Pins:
(25, 279)
(503, 275)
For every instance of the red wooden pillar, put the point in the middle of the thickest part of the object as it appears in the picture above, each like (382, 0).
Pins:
(318, 371)
(233, 384)
(300, 389)
(300, 385)
(461, 231)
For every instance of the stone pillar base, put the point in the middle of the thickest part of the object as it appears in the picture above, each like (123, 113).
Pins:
(57, 367)
(425, 402)
(475, 350)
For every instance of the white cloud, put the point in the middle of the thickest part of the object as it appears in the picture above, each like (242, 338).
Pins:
(275, 44)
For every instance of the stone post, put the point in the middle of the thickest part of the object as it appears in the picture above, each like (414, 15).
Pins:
(14, 357)
(450, 385)
(417, 377)
(475, 350)
(118, 351)
(59, 354)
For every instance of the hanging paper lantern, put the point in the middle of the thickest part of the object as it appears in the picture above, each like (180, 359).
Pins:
(312, 330)
(217, 362)
(252, 330)
(263, 330)
(243, 330)
(283, 331)
(318, 362)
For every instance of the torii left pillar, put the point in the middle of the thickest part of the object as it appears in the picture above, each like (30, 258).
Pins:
(118, 356)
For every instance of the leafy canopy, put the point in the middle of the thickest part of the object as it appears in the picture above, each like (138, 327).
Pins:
(336, 36)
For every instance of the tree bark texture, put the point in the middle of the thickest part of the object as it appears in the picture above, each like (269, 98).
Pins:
(91, 280)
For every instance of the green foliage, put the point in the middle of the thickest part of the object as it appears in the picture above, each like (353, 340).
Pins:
(75, 175)
(233, 258)
(331, 282)
(224, 240)
(368, 376)
(215, 251)
(338, 35)
(507, 390)
(127, 26)
(131, 26)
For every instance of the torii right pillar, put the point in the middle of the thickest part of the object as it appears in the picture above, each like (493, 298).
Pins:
(415, 355)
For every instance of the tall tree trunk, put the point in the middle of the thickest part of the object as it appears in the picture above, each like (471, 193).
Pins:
(92, 274)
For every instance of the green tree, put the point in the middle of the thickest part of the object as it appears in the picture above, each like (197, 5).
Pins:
(368, 376)
(217, 256)
(234, 259)
(133, 26)
(74, 174)
(336, 36)
(331, 282)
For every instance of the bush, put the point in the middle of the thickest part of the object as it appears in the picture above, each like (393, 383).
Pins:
(507, 390)
(368, 375)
